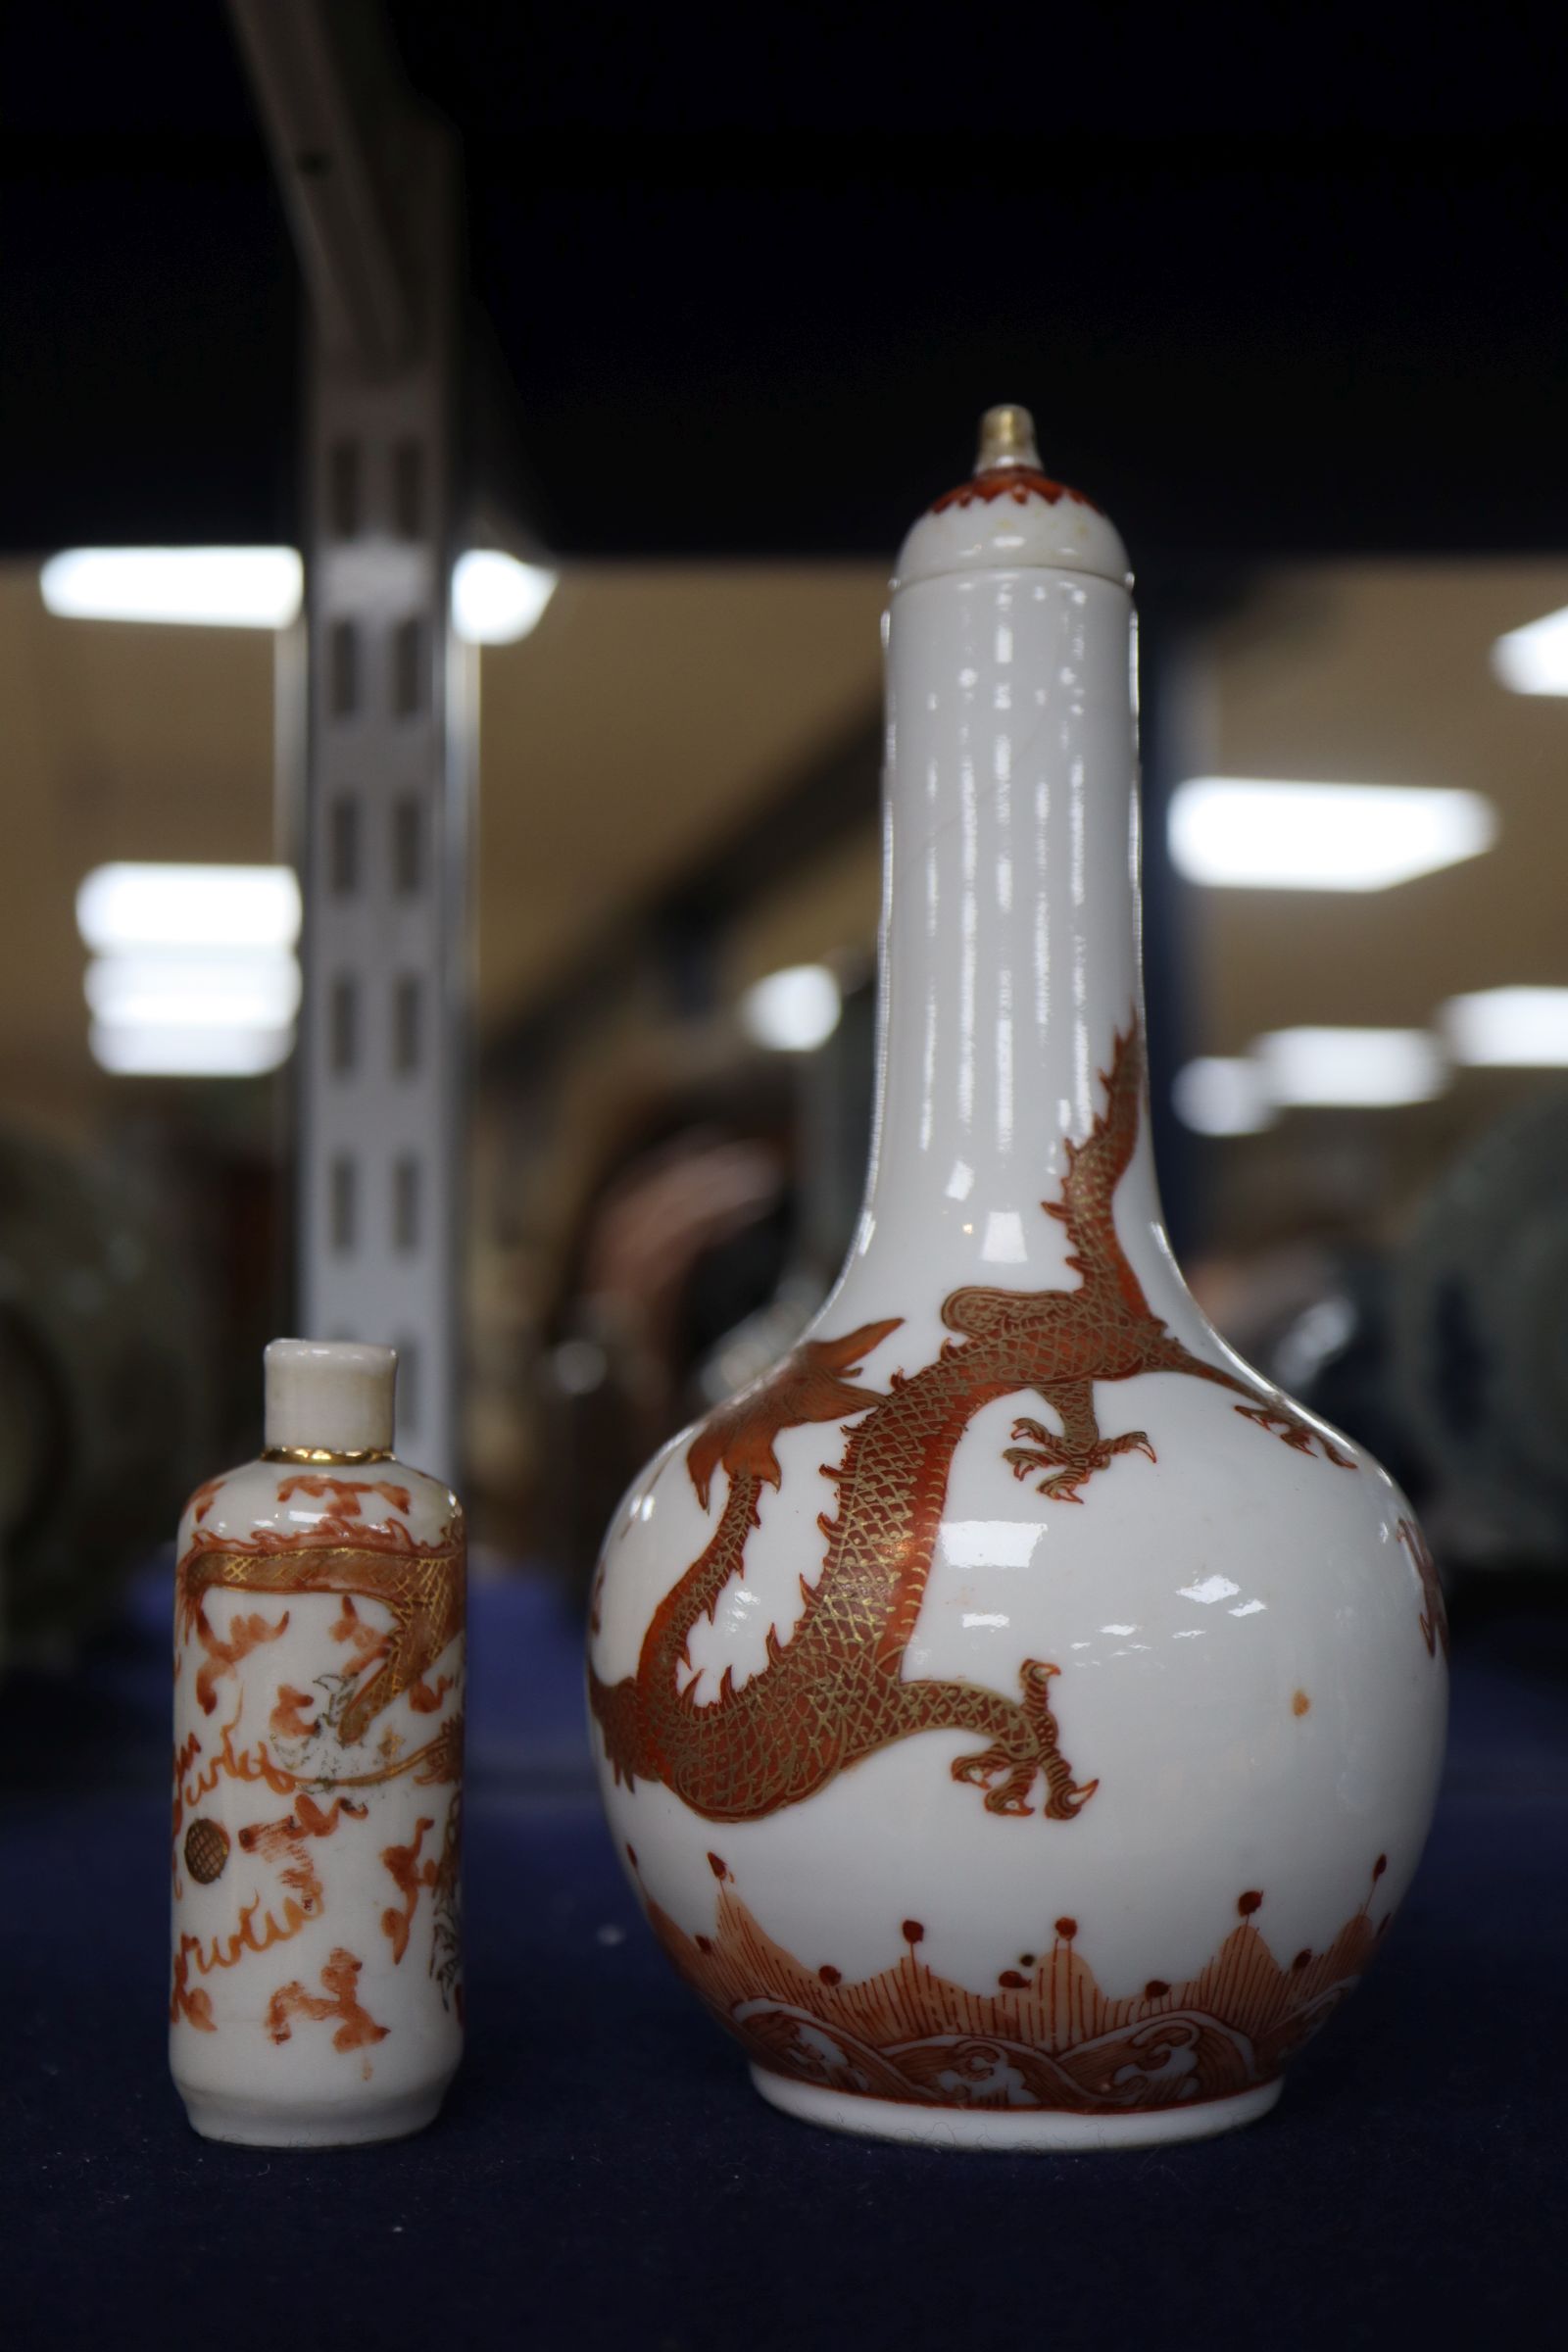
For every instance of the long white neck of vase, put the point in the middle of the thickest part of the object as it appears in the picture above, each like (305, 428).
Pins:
(1010, 956)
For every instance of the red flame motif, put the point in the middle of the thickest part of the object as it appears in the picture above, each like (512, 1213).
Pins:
(339, 1998)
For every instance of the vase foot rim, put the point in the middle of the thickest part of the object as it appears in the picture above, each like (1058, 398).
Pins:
(245, 2123)
(1011, 2129)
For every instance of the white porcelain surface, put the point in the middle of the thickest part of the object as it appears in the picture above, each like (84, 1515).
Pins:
(318, 1687)
(1011, 516)
(337, 1396)
(1248, 1686)
(1010, 2130)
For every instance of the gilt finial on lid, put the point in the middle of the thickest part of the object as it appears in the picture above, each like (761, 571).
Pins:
(1006, 438)
(1009, 515)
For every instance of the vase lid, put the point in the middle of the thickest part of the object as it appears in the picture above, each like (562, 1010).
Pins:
(330, 1396)
(1012, 516)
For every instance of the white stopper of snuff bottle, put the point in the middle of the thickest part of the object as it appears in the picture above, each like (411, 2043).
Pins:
(1012, 516)
(330, 1396)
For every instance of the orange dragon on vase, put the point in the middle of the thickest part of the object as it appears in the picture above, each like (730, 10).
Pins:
(834, 1692)
(415, 1582)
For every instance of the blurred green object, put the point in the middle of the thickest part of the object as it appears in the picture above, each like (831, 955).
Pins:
(100, 1392)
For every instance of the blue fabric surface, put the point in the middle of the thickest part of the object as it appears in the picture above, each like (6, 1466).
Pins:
(604, 2175)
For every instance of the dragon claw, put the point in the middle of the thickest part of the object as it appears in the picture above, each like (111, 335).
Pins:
(1027, 1749)
(980, 1770)
(1060, 1485)
(1071, 1800)
(1069, 1466)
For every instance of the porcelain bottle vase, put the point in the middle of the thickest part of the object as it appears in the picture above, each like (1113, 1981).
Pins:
(1021, 1721)
(316, 1995)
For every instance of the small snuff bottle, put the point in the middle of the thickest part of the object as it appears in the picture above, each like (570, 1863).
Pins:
(316, 1988)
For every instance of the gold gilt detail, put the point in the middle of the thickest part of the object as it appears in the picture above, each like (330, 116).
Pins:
(322, 1453)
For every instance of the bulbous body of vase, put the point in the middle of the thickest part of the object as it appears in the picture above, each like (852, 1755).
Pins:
(1019, 1720)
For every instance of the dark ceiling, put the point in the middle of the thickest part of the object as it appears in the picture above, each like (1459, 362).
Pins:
(1295, 291)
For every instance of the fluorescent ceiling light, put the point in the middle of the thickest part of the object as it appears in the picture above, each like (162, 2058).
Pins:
(1533, 659)
(224, 587)
(200, 1052)
(193, 971)
(1246, 833)
(1518, 1028)
(255, 988)
(495, 599)
(1364, 1068)
(793, 1011)
(189, 907)
(1222, 1095)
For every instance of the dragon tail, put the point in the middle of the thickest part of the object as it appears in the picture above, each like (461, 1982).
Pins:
(622, 1709)
(1094, 1169)
(697, 1594)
